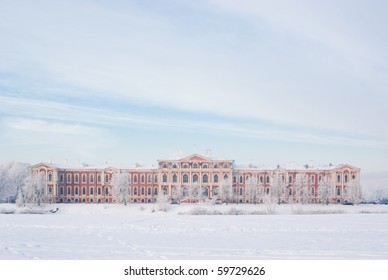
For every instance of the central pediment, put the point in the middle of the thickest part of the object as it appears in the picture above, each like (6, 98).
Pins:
(194, 157)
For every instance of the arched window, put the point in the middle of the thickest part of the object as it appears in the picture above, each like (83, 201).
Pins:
(225, 165)
(225, 177)
(195, 178)
(205, 178)
(135, 178)
(61, 178)
(339, 179)
(185, 166)
(164, 165)
(216, 178)
(290, 191)
(234, 179)
(83, 178)
(149, 191)
(290, 179)
(50, 177)
(261, 179)
(76, 191)
(83, 190)
(267, 179)
(206, 192)
(142, 191)
(91, 191)
(174, 166)
(346, 178)
(204, 166)
(61, 190)
(50, 190)
(76, 178)
(185, 178)
(267, 191)
(106, 178)
(241, 191)
(135, 190)
(338, 191)
(106, 191)
(142, 178)
(174, 178)
(149, 178)
(99, 178)
(155, 191)
(69, 190)
(241, 179)
(164, 178)
(234, 190)
(99, 191)
(195, 165)
(312, 191)
(91, 178)
(215, 166)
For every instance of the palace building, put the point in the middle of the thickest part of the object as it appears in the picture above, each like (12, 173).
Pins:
(199, 177)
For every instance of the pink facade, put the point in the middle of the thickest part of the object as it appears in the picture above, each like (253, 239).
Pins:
(219, 180)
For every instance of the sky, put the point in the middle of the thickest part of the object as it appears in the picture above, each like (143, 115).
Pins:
(264, 82)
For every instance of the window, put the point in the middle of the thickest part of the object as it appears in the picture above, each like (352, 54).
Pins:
(135, 190)
(339, 179)
(205, 178)
(267, 179)
(149, 178)
(149, 191)
(346, 178)
(290, 179)
(312, 179)
(84, 191)
(142, 178)
(91, 178)
(205, 192)
(50, 190)
(76, 191)
(312, 191)
(338, 191)
(106, 178)
(61, 190)
(76, 178)
(216, 178)
(225, 177)
(99, 191)
(320, 178)
(155, 191)
(185, 166)
(195, 165)
(353, 177)
(83, 178)
(142, 191)
(241, 179)
(241, 191)
(261, 179)
(91, 191)
(195, 178)
(61, 178)
(185, 178)
(50, 177)
(68, 190)
(68, 178)
(156, 178)
(135, 178)
(164, 165)
(234, 179)
(215, 191)
(204, 166)
(174, 178)
(215, 166)
(164, 178)
(106, 191)
(99, 178)
(174, 166)
(225, 165)
(267, 191)
(290, 191)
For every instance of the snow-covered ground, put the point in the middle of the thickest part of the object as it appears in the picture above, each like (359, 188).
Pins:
(141, 232)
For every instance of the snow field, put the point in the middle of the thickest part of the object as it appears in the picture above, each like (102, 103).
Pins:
(107, 231)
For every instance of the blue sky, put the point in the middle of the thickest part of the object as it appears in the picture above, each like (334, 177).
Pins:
(134, 81)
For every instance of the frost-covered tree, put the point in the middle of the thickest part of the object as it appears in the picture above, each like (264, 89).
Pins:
(194, 192)
(252, 189)
(302, 187)
(12, 178)
(354, 192)
(120, 187)
(325, 189)
(226, 190)
(162, 201)
(176, 194)
(34, 188)
(278, 187)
